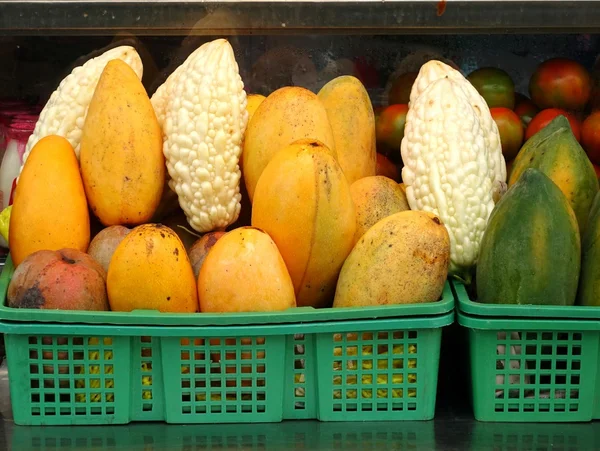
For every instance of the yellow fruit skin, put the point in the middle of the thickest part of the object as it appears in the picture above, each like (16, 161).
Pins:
(403, 259)
(150, 269)
(253, 102)
(285, 116)
(122, 163)
(303, 202)
(50, 211)
(375, 198)
(352, 121)
(244, 272)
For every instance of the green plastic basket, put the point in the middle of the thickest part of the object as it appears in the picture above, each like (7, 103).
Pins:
(213, 370)
(531, 363)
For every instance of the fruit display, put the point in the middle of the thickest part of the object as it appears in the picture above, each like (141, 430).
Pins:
(202, 197)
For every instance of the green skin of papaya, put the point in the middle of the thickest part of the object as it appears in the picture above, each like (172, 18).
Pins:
(555, 152)
(531, 251)
(589, 283)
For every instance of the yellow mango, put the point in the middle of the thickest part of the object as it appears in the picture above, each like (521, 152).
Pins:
(49, 211)
(402, 259)
(150, 269)
(121, 158)
(375, 198)
(303, 202)
(253, 102)
(285, 116)
(244, 272)
(352, 121)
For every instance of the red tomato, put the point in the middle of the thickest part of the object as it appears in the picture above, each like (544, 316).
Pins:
(590, 136)
(525, 109)
(401, 87)
(495, 86)
(544, 117)
(387, 168)
(389, 130)
(560, 83)
(597, 169)
(511, 131)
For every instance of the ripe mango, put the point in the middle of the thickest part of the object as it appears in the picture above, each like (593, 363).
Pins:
(150, 269)
(375, 198)
(49, 211)
(285, 116)
(253, 102)
(403, 259)
(244, 272)
(122, 162)
(303, 202)
(352, 121)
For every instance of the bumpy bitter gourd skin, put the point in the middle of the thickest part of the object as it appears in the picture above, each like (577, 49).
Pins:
(205, 120)
(65, 112)
(447, 167)
(434, 70)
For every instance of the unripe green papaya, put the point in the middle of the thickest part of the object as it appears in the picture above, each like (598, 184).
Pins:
(531, 250)
(589, 281)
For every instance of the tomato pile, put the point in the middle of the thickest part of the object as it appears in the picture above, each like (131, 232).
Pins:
(559, 86)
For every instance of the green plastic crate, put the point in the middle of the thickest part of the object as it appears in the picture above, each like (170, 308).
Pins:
(215, 371)
(531, 363)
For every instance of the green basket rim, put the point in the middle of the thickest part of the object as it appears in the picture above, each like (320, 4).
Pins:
(360, 325)
(154, 317)
(521, 324)
(466, 305)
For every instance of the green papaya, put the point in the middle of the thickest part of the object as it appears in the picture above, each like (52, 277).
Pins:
(589, 280)
(530, 252)
(555, 151)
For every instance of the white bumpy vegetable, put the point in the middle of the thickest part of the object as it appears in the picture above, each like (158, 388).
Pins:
(447, 167)
(205, 121)
(160, 98)
(64, 113)
(434, 70)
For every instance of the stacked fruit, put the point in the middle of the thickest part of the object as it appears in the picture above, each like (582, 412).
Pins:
(308, 222)
(540, 221)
